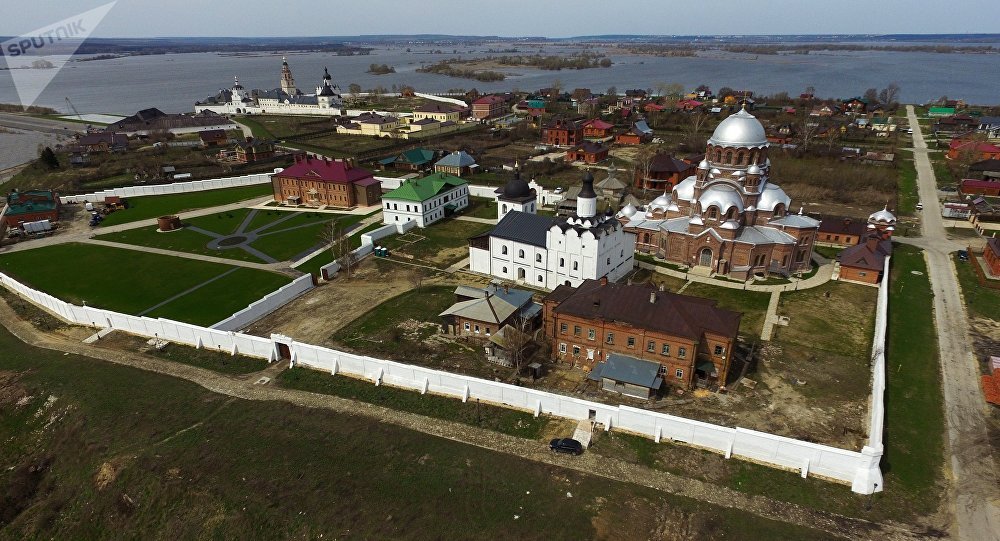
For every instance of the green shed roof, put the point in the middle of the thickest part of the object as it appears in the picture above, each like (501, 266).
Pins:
(30, 201)
(422, 189)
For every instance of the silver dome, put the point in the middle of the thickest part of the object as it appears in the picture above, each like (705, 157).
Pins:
(739, 130)
(883, 217)
(661, 202)
(703, 164)
(754, 170)
(627, 211)
(770, 196)
(685, 190)
(721, 197)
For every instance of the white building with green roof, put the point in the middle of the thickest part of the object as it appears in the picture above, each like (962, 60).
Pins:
(425, 200)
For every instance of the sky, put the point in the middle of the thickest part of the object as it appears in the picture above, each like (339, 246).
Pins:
(548, 18)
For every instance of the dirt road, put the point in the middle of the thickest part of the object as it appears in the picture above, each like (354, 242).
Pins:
(975, 483)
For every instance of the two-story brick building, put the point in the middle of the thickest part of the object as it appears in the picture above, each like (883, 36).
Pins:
(488, 107)
(562, 132)
(325, 182)
(690, 337)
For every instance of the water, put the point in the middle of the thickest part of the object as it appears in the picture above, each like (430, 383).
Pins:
(174, 82)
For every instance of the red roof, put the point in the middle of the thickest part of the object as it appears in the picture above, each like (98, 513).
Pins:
(488, 100)
(325, 170)
(975, 183)
(980, 146)
(654, 107)
(598, 124)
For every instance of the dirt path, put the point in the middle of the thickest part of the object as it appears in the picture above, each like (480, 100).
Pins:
(245, 387)
(974, 474)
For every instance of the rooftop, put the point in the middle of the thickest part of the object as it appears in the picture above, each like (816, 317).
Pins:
(422, 189)
(325, 170)
(628, 370)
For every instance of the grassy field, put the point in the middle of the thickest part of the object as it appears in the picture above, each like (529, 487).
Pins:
(981, 301)
(481, 207)
(908, 196)
(222, 223)
(218, 361)
(153, 206)
(313, 264)
(183, 240)
(284, 243)
(120, 280)
(126, 453)
(443, 243)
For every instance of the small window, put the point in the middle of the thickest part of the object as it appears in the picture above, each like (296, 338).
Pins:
(540, 279)
(631, 341)
(651, 346)
(576, 266)
(562, 262)
(576, 350)
(719, 350)
(591, 334)
(563, 328)
(609, 261)
(682, 352)
(562, 348)
(477, 329)
(665, 350)
(520, 254)
(504, 270)
(611, 338)
(503, 251)
(576, 330)
(538, 258)
(679, 373)
(488, 331)
(467, 326)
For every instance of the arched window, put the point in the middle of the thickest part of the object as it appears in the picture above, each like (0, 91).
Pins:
(779, 210)
(576, 265)
(520, 274)
(538, 258)
(540, 279)
(645, 238)
(562, 262)
(520, 254)
(503, 251)
(729, 157)
(504, 208)
(718, 154)
(713, 213)
(504, 270)
(731, 215)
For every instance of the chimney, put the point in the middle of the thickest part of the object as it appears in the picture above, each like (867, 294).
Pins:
(652, 297)
(604, 280)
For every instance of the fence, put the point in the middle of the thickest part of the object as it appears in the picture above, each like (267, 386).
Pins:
(267, 304)
(165, 189)
(974, 259)
(367, 245)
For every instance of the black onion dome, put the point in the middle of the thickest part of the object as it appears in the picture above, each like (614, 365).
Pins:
(516, 187)
(588, 186)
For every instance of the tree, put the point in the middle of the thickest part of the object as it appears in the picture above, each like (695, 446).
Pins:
(376, 94)
(807, 132)
(871, 95)
(889, 94)
(517, 341)
(726, 91)
(339, 241)
(555, 88)
(643, 162)
(811, 90)
(354, 89)
(48, 158)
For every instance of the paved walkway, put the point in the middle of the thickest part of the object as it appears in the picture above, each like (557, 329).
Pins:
(821, 277)
(245, 387)
(974, 475)
(771, 318)
(357, 211)
(490, 221)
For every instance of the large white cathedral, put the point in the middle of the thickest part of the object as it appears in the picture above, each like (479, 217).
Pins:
(287, 99)
(549, 251)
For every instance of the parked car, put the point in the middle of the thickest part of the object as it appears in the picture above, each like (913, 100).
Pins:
(963, 255)
(920, 206)
(566, 445)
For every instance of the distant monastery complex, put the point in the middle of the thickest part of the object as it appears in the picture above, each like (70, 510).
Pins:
(284, 100)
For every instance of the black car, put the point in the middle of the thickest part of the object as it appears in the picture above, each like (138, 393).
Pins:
(963, 255)
(566, 445)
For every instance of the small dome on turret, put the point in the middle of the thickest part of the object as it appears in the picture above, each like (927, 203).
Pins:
(627, 211)
(326, 75)
(516, 187)
(703, 164)
(882, 216)
(754, 170)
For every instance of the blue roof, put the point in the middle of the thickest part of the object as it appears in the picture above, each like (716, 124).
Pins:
(628, 370)
(457, 159)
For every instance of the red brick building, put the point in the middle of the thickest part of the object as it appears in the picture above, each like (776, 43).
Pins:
(841, 231)
(253, 150)
(587, 152)
(865, 262)
(992, 255)
(488, 107)
(318, 182)
(972, 186)
(690, 337)
(562, 132)
(665, 172)
(31, 206)
(596, 128)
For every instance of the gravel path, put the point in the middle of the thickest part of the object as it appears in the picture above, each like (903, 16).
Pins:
(244, 387)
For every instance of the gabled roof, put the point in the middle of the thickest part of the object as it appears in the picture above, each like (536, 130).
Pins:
(30, 201)
(842, 226)
(437, 108)
(492, 304)
(489, 100)
(457, 159)
(670, 313)
(867, 255)
(598, 124)
(589, 147)
(985, 165)
(665, 163)
(629, 370)
(523, 227)
(212, 135)
(422, 189)
(993, 244)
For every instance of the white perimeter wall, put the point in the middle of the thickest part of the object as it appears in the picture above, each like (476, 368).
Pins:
(267, 304)
(165, 189)
(859, 469)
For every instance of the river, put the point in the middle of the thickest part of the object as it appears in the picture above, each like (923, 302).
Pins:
(174, 82)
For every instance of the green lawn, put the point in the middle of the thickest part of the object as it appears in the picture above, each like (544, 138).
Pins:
(286, 245)
(908, 196)
(222, 223)
(219, 361)
(829, 252)
(173, 457)
(378, 331)
(480, 207)
(220, 299)
(132, 282)
(182, 240)
(441, 244)
(313, 264)
(980, 301)
(153, 206)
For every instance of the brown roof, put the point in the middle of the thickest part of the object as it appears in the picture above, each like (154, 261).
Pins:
(678, 315)
(994, 244)
(665, 163)
(869, 255)
(843, 226)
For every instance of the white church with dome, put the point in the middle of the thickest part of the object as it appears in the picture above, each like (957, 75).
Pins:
(728, 218)
(287, 99)
(549, 251)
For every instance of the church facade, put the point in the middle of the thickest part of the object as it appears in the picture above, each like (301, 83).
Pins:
(728, 218)
(287, 99)
(548, 251)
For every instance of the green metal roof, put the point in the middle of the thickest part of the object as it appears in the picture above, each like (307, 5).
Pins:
(415, 156)
(422, 189)
(30, 201)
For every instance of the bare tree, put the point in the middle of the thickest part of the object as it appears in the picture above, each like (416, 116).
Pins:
(696, 124)
(517, 339)
(643, 162)
(890, 94)
(334, 236)
(808, 132)
(354, 90)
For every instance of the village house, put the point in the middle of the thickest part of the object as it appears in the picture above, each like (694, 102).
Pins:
(940, 111)
(639, 133)
(840, 231)
(979, 150)
(970, 186)
(324, 182)
(689, 105)
(865, 262)
(415, 159)
(533, 108)
(628, 376)
(587, 152)
(31, 206)
(372, 124)
(253, 150)
(457, 163)
(562, 132)
(488, 107)
(950, 126)
(823, 110)
(665, 172)
(153, 120)
(425, 200)
(989, 126)
(985, 169)
(213, 138)
(691, 338)
(596, 128)
(103, 142)
(992, 255)
(478, 313)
